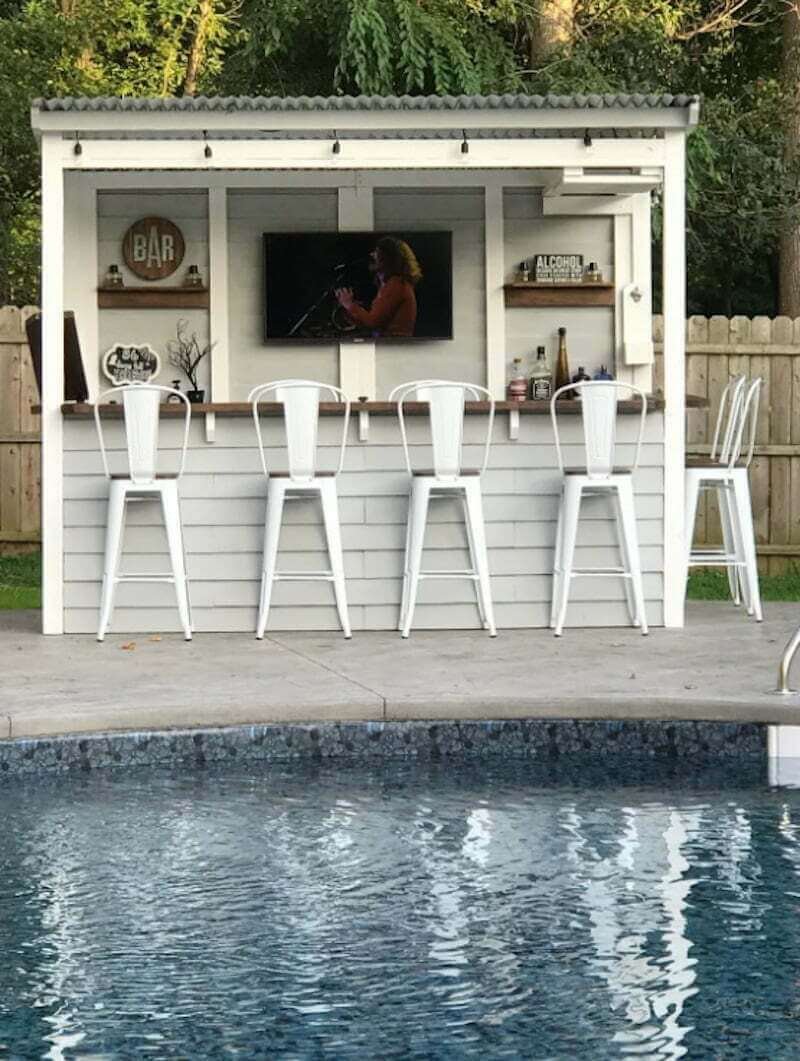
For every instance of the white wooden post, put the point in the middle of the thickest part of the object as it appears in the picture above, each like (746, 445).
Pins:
(494, 252)
(218, 331)
(674, 309)
(357, 360)
(642, 247)
(81, 274)
(52, 384)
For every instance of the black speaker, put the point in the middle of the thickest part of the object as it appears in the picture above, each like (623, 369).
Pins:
(75, 389)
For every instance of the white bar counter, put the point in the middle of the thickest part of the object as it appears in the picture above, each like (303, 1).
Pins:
(223, 504)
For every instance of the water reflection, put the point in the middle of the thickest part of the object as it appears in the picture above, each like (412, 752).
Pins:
(411, 912)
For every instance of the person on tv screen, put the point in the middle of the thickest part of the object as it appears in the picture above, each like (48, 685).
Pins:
(393, 311)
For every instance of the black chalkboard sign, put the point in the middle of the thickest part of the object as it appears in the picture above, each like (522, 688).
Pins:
(75, 388)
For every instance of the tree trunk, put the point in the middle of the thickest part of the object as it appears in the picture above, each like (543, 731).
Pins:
(789, 250)
(553, 27)
(198, 47)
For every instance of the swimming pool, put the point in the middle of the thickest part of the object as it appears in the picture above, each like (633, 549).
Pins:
(403, 910)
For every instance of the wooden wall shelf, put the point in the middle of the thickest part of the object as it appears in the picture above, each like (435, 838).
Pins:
(152, 297)
(577, 294)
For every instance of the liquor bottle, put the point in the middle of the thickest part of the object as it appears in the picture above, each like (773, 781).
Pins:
(517, 389)
(581, 376)
(541, 377)
(562, 364)
(603, 374)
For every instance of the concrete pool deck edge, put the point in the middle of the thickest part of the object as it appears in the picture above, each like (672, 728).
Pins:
(720, 668)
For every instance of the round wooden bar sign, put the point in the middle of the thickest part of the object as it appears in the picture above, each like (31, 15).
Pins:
(153, 248)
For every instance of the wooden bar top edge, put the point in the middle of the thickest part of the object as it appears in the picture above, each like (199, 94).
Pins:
(85, 410)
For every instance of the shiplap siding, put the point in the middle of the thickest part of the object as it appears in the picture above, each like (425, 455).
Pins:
(251, 214)
(116, 212)
(222, 496)
(459, 211)
(590, 331)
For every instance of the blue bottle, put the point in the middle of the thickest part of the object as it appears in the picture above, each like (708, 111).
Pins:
(603, 373)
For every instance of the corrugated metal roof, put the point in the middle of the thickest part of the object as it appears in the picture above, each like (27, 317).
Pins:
(266, 104)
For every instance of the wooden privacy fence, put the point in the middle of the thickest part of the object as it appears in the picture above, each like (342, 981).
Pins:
(717, 348)
(19, 436)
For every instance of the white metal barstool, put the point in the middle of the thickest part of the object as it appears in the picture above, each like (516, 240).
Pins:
(300, 399)
(142, 482)
(602, 475)
(447, 478)
(726, 471)
(724, 429)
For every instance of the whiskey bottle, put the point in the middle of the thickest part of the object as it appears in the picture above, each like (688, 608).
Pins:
(562, 364)
(517, 390)
(541, 389)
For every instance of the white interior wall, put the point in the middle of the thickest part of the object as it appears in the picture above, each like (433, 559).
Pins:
(252, 212)
(590, 330)
(116, 212)
(460, 211)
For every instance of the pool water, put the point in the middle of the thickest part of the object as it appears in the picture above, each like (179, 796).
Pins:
(402, 911)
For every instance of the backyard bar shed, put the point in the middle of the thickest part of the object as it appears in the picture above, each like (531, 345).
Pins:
(508, 177)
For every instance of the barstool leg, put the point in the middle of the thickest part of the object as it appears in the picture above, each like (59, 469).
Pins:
(558, 580)
(114, 529)
(744, 526)
(626, 560)
(172, 524)
(473, 562)
(272, 533)
(691, 493)
(404, 590)
(330, 514)
(478, 536)
(729, 542)
(628, 511)
(569, 533)
(418, 517)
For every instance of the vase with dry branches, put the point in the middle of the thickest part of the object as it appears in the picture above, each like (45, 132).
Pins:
(186, 353)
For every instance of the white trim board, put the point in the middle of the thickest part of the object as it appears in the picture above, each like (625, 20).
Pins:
(359, 154)
(674, 311)
(52, 386)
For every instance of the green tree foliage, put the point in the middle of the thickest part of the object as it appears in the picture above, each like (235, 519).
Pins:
(79, 47)
(741, 188)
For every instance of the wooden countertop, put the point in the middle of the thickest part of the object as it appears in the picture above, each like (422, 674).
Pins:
(84, 410)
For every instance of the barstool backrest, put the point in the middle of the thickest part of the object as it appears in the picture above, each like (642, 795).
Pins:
(300, 399)
(446, 399)
(743, 435)
(598, 400)
(727, 418)
(141, 409)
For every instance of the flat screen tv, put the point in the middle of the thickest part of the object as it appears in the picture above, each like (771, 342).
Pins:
(358, 286)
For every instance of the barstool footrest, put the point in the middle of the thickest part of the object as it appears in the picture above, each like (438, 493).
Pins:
(599, 572)
(449, 574)
(144, 578)
(303, 576)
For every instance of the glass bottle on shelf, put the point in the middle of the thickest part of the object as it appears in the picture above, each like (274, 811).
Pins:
(603, 374)
(581, 376)
(524, 273)
(562, 376)
(517, 389)
(541, 389)
(593, 274)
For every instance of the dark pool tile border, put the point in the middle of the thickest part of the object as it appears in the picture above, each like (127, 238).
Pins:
(544, 740)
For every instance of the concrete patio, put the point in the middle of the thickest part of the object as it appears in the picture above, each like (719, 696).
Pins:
(720, 667)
